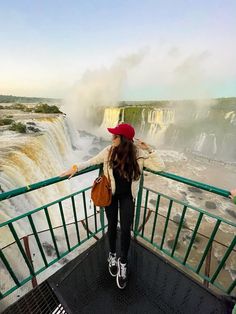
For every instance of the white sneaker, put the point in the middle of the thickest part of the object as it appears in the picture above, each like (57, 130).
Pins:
(121, 278)
(112, 264)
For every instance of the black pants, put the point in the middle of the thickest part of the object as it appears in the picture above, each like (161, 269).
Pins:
(126, 204)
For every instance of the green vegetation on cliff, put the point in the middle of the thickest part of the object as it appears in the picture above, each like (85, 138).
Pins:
(133, 115)
(6, 121)
(39, 108)
(45, 108)
(228, 102)
(18, 127)
(19, 99)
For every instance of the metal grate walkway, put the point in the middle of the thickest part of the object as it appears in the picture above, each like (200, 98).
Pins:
(85, 286)
(40, 300)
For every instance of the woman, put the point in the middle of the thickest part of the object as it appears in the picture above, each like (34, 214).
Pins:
(123, 161)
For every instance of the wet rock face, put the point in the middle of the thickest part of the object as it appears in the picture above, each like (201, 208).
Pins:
(171, 242)
(87, 157)
(210, 205)
(177, 219)
(84, 133)
(194, 190)
(33, 129)
(231, 212)
(49, 249)
(94, 151)
(153, 202)
(188, 237)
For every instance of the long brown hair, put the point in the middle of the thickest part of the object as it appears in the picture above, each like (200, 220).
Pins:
(124, 159)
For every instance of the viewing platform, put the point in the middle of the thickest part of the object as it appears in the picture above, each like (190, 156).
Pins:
(164, 277)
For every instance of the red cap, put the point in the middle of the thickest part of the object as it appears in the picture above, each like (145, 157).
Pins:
(124, 129)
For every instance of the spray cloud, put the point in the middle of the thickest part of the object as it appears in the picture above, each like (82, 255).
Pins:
(99, 88)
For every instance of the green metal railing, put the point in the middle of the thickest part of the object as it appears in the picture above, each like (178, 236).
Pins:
(143, 229)
(182, 259)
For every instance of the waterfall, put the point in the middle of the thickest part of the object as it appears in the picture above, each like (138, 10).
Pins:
(200, 142)
(231, 116)
(143, 122)
(159, 120)
(206, 144)
(30, 158)
(111, 117)
(184, 126)
(122, 115)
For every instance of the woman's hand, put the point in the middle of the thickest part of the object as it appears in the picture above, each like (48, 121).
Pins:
(232, 193)
(71, 172)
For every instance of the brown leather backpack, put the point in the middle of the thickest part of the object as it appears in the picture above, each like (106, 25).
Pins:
(101, 193)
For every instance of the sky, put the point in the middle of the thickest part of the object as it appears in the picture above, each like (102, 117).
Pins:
(185, 48)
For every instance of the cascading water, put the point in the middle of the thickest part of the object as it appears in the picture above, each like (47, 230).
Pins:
(30, 158)
(198, 147)
(143, 123)
(185, 127)
(36, 157)
(111, 117)
(159, 120)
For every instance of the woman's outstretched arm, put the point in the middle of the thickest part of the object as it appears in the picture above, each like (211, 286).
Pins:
(96, 160)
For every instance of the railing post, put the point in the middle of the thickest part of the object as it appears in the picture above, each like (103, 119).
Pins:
(209, 276)
(138, 207)
(101, 212)
(27, 251)
(207, 267)
(102, 219)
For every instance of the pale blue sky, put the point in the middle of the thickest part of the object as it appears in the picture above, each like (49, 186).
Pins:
(188, 47)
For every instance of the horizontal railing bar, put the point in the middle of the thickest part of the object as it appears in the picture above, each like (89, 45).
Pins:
(219, 286)
(228, 222)
(186, 227)
(44, 230)
(200, 185)
(42, 207)
(49, 264)
(41, 184)
(38, 185)
(71, 223)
